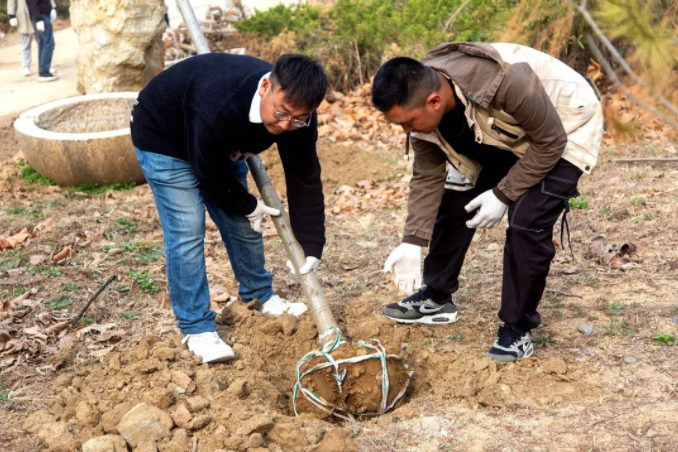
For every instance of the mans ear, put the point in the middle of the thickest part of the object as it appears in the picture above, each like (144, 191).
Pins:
(265, 86)
(434, 101)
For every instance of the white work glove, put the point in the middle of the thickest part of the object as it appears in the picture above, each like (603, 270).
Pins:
(40, 26)
(312, 264)
(13, 22)
(53, 15)
(491, 211)
(259, 213)
(404, 263)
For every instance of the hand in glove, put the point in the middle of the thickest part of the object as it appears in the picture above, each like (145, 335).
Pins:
(491, 211)
(13, 22)
(311, 264)
(259, 213)
(404, 263)
(53, 15)
(40, 26)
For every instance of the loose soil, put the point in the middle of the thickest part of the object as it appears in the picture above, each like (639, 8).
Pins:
(612, 390)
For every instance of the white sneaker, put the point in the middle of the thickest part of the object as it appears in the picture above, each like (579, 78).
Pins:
(277, 306)
(209, 347)
(27, 71)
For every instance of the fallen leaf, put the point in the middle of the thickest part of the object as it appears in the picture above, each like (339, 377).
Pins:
(14, 240)
(57, 327)
(66, 252)
(44, 226)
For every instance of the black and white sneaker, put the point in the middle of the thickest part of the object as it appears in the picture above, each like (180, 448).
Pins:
(512, 344)
(420, 308)
(47, 77)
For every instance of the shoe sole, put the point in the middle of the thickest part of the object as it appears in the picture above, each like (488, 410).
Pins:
(436, 319)
(218, 358)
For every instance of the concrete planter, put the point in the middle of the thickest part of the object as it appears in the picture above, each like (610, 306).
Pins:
(81, 139)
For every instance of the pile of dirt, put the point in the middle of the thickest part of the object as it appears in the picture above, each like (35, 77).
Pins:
(157, 394)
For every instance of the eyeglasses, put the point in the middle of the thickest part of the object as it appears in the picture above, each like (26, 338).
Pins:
(293, 121)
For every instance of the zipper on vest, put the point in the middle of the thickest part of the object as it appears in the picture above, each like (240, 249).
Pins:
(504, 132)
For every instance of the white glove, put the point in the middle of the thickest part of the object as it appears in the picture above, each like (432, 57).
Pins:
(404, 263)
(259, 213)
(52, 15)
(40, 26)
(312, 264)
(491, 211)
(13, 22)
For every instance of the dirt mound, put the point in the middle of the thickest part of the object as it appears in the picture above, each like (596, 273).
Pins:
(448, 372)
(240, 406)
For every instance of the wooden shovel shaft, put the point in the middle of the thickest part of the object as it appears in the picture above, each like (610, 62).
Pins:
(322, 315)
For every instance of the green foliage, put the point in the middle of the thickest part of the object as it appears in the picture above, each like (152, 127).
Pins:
(126, 226)
(87, 320)
(12, 259)
(95, 189)
(129, 315)
(69, 287)
(144, 281)
(665, 339)
(32, 177)
(578, 203)
(149, 254)
(45, 271)
(24, 211)
(61, 302)
(352, 38)
(543, 341)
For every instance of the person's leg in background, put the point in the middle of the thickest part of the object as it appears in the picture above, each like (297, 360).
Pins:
(45, 48)
(26, 59)
(181, 211)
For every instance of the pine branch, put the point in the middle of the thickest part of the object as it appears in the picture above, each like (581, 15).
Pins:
(617, 83)
(617, 56)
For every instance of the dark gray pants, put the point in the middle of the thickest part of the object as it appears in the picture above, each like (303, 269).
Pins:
(528, 250)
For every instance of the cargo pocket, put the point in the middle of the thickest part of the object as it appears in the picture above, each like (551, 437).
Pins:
(539, 208)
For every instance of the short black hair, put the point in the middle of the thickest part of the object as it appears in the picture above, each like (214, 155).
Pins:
(403, 82)
(301, 79)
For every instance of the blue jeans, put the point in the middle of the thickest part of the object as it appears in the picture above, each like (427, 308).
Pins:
(45, 45)
(181, 209)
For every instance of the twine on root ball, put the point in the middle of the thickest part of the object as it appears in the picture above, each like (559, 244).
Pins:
(339, 368)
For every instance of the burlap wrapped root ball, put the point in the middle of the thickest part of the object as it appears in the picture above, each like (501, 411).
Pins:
(350, 381)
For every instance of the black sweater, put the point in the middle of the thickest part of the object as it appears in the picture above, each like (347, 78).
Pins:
(198, 111)
(38, 7)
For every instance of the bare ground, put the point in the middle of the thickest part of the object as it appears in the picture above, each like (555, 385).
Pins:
(612, 390)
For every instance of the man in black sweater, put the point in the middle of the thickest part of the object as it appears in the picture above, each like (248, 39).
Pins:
(193, 126)
(43, 12)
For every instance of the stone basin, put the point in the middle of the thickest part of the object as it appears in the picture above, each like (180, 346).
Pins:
(84, 139)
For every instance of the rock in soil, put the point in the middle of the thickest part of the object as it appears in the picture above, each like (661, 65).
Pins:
(106, 443)
(585, 328)
(145, 423)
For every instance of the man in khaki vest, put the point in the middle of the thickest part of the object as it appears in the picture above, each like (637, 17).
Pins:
(517, 128)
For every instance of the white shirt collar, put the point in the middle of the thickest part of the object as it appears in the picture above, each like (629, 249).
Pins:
(255, 108)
